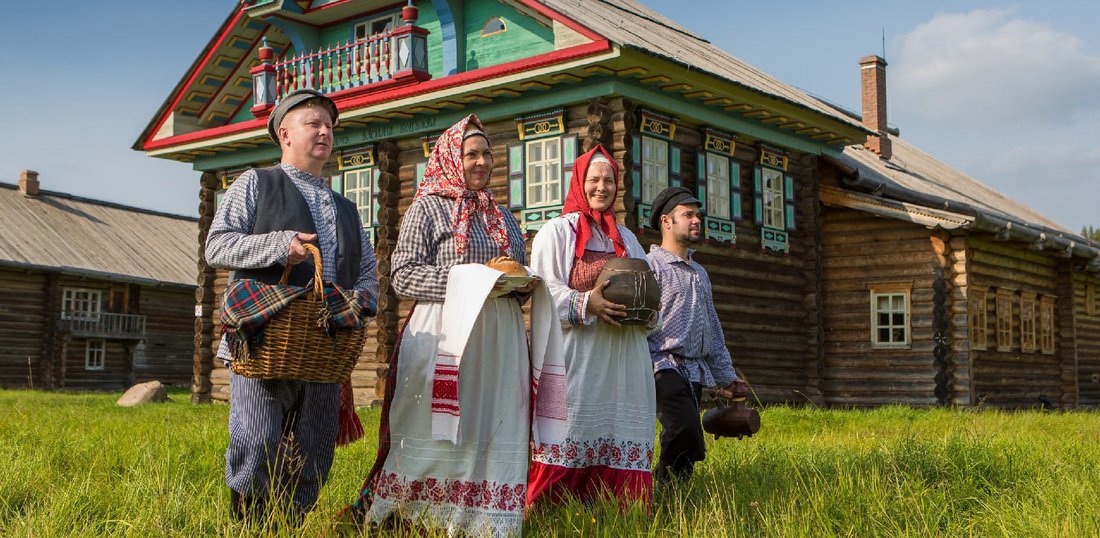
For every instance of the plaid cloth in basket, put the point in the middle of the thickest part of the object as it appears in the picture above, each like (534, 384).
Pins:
(249, 304)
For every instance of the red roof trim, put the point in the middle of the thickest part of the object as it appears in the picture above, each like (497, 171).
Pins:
(355, 99)
(562, 19)
(191, 79)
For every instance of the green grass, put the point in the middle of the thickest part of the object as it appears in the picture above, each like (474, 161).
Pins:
(77, 465)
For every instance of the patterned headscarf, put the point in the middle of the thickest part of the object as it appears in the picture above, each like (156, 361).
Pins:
(577, 201)
(444, 176)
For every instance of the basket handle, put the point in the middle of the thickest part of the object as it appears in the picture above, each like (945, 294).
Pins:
(312, 250)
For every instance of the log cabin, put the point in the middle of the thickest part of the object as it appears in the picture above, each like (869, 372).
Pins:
(938, 290)
(97, 295)
(549, 79)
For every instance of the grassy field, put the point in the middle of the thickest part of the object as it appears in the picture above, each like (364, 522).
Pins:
(77, 465)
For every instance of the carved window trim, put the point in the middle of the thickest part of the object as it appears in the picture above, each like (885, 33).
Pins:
(979, 318)
(1028, 340)
(1004, 308)
(1046, 324)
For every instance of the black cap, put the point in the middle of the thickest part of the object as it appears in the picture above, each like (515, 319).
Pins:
(292, 100)
(666, 201)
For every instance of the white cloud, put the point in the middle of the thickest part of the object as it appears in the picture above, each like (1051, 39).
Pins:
(1040, 167)
(987, 66)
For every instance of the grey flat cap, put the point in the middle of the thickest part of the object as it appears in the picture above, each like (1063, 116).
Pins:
(666, 201)
(292, 100)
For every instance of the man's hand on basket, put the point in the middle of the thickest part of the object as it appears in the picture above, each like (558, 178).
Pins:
(298, 252)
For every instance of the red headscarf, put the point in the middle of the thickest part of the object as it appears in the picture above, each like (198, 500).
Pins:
(444, 176)
(577, 201)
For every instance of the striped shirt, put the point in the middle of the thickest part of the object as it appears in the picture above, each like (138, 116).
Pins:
(425, 250)
(231, 245)
(690, 338)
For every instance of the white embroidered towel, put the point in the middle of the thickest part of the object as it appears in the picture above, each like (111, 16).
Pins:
(468, 285)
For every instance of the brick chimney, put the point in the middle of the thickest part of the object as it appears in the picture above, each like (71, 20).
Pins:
(28, 183)
(873, 75)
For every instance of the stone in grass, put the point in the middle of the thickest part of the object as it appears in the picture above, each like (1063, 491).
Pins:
(143, 393)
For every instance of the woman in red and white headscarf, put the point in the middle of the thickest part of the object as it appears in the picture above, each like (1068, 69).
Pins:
(456, 423)
(608, 441)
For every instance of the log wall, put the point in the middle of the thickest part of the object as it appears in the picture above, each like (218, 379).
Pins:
(1086, 321)
(23, 327)
(1014, 378)
(169, 335)
(860, 251)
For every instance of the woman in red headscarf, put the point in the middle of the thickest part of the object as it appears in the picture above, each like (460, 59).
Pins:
(454, 438)
(608, 442)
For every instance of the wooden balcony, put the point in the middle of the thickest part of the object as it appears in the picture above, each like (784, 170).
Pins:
(383, 61)
(103, 325)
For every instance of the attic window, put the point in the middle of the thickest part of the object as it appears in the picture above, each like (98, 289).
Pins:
(493, 26)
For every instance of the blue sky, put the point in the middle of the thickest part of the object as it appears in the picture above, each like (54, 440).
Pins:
(1007, 92)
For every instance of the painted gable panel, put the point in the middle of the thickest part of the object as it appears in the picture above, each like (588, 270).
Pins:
(523, 37)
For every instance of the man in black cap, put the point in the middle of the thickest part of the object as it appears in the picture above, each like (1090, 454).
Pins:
(689, 349)
(282, 433)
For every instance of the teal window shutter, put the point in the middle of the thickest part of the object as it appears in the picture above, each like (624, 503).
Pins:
(338, 183)
(568, 155)
(757, 197)
(674, 175)
(420, 167)
(735, 190)
(788, 200)
(515, 176)
(701, 179)
(376, 194)
(636, 169)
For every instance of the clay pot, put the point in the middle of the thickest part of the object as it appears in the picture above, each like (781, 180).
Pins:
(734, 420)
(632, 285)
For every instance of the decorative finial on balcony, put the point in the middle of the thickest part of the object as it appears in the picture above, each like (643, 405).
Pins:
(410, 13)
(266, 52)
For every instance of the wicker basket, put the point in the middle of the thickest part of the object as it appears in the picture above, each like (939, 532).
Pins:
(294, 347)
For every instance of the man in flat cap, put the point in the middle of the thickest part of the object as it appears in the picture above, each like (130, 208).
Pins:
(282, 433)
(689, 349)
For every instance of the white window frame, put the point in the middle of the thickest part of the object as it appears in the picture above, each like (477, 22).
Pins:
(655, 167)
(718, 186)
(772, 201)
(390, 19)
(80, 303)
(551, 173)
(362, 196)
(95, 354)
(891, 293)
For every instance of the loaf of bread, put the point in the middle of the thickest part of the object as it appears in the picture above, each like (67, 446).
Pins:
(509, 266)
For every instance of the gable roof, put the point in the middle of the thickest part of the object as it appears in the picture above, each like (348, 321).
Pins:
(632, 24)
(624, 22)
(913, 176)
(59, 231)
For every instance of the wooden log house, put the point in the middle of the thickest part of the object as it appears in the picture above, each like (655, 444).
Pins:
(549, 79)
(938, 290)
(97, 296)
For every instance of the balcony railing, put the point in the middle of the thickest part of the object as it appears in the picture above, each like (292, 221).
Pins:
(398, 56)
(102, 325)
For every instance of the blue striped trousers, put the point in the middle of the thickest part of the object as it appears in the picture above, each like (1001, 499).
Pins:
(282, 435)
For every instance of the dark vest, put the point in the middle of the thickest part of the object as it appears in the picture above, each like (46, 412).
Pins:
(281, 206)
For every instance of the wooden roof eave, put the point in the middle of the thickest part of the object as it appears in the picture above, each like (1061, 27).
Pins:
(892, 209)
(1004, 227)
